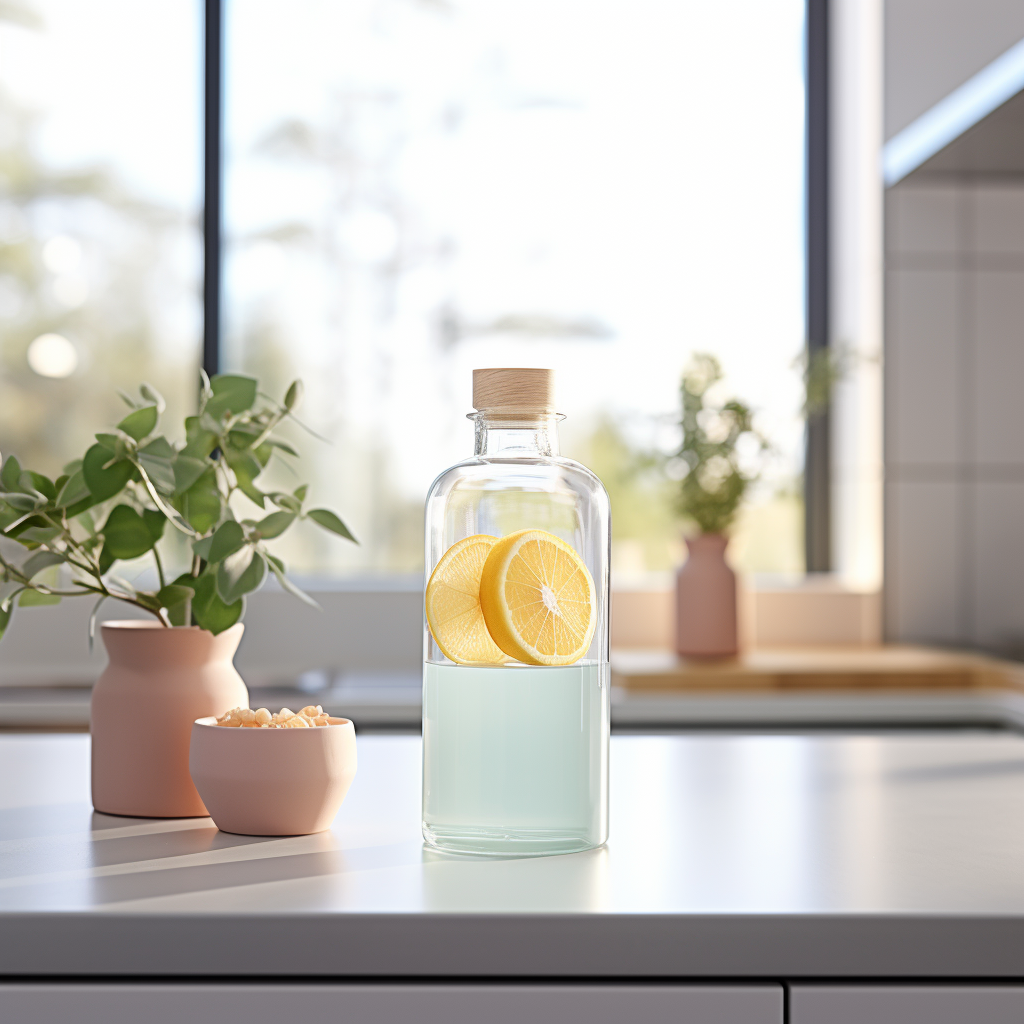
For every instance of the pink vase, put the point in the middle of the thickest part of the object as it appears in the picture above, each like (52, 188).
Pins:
(158, 682)
(706, 601)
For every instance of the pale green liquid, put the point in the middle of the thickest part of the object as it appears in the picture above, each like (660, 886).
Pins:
(515, 758)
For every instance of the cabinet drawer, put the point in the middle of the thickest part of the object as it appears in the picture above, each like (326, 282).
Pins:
(899, 1004)
(298, 1003)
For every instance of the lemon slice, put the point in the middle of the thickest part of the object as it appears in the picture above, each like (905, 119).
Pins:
(538, 599)
(453, 604)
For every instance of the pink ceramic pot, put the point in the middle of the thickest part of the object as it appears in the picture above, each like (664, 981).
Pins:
(158, 682)
(273, 782)
(706, 601)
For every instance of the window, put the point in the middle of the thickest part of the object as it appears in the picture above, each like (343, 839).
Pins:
(413, 189)
(100, 253)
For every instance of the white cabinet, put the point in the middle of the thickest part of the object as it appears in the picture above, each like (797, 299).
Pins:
(906, 1004)
(318, 1003)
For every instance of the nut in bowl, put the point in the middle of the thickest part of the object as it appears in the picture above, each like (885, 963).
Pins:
(272, 777)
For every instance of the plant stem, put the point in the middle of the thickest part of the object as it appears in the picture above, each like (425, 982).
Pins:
(63, 593)
(159, 567)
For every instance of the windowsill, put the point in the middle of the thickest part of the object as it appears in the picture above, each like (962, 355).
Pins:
(758, 695)
(374, 625)
(815, 611)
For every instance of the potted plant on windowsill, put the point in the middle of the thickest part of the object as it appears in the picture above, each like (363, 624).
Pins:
(114, 505)
(710, 495)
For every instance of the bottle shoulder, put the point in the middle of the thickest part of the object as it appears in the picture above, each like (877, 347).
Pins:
(541, 472)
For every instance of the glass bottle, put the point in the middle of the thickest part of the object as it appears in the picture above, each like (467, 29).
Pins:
(515, 755)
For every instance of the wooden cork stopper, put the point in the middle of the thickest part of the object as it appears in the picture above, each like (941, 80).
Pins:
(514, 390)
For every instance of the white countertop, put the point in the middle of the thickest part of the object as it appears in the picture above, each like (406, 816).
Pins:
(394, 703)
(730, 856)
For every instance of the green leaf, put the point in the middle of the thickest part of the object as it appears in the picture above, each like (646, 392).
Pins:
(34, 534)
(10, 475)
(155, 522)
(280, 444)
(159, 448)
(329, 521)
(300, 491)
(246, 468)
(161, 472)
(209, 424)
(150, 394)
(201, 547)
(37, 482)
(209, 611)
(176, 598)
(293, 396)
(5, 619)
(73, 491)
(106, 560)
(240, 574)
(126, 534)
(73, 467)
(251, 427)
(104, 481)
(32, 598)
(148, 601)
(83, 505)
(23, 502)
(200, 441)
(112, 442)
(168, 510)
(263, 453)
(277, 566)
(232, 394)
(242, 436)
(8, 516)
(141, 423)
(275, 524)
(286, 501)
(39, 561)
(174, 593)
(201, 503)
(157, 459)
(228, 539)
(27, 521)
(187, 470)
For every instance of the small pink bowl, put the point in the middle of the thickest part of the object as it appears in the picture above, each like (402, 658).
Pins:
(272, 782)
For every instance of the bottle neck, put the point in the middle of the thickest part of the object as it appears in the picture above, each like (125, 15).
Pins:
(519, 436)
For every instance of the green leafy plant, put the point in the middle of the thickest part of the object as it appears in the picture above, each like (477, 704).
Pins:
(714, 484)
(115, 503)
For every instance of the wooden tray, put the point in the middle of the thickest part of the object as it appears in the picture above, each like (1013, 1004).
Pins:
(862, 668)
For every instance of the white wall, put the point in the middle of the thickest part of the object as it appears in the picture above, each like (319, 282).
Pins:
(362, 629)
(856, 290)
(934, 46)
(954, 379)
(954, 354)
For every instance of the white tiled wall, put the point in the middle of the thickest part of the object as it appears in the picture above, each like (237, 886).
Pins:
(998, 335)
(922, 373)
(954, 410)
(923, 542)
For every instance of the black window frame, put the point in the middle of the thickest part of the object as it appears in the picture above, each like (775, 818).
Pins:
(818, 432)
(817, 451)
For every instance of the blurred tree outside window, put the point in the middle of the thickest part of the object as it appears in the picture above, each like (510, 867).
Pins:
(417, 187)
(414, 188)
(100, 253)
